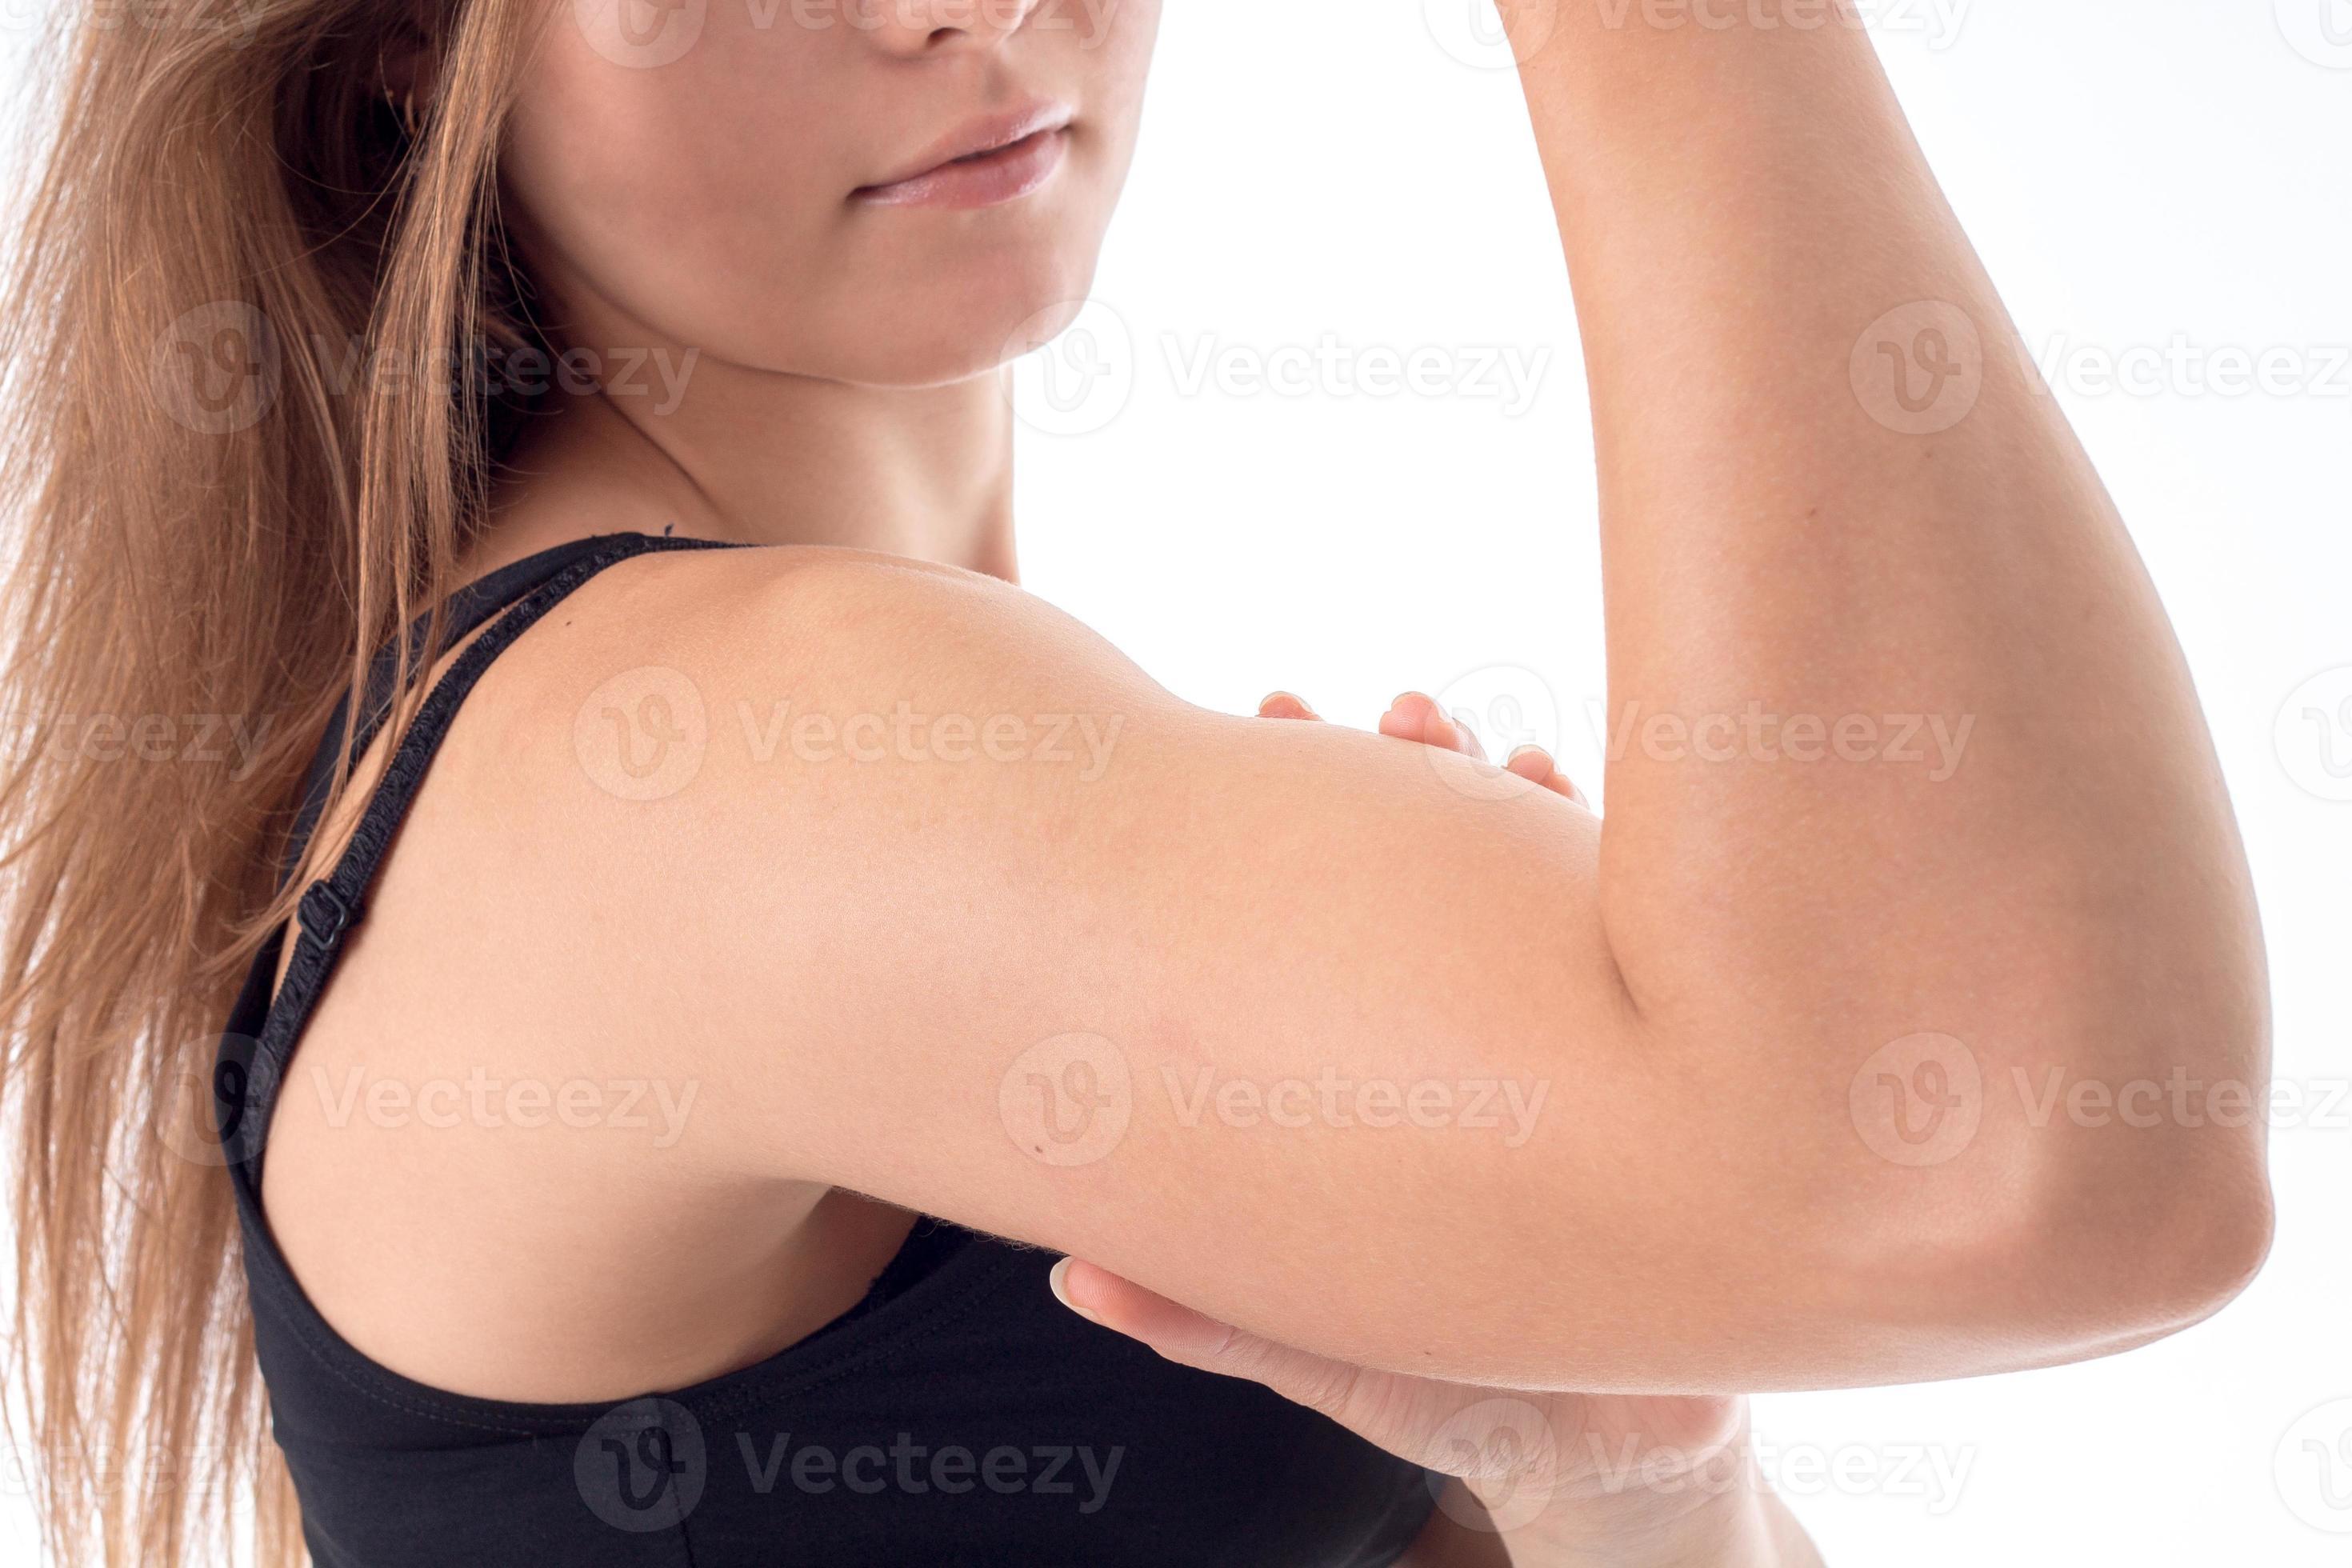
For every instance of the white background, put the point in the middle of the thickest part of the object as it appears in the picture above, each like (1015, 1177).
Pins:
(2135, 172)
(2151, 175)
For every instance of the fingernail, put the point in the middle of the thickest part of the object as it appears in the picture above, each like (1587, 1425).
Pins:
(1061, 1293)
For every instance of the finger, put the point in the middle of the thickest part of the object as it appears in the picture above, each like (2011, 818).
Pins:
(1284, 705)
(1532, 763)
(1192, 1339)
(1416, 716)
(1508, 1447)
(1536, 765)
(1410, 717)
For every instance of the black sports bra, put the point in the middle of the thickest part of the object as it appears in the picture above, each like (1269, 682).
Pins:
(957, 1414)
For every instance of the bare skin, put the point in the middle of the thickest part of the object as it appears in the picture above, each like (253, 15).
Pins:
(854, 953)
(1548, 1480)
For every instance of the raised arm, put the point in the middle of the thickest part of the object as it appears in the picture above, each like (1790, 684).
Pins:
(1833, 489)
(1363, 1047)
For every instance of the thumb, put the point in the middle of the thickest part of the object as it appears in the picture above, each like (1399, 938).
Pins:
(1195, 1340)
(1508, 1448)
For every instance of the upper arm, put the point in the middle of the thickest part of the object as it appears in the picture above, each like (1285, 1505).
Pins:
(931, 894)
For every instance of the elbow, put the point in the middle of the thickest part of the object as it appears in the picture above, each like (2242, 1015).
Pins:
(2115, 1187)
(2228, 1238)
(2112, 1245)
(2229, 1260)
(2164, 1249)
(2153, 1203)
(2059, 1236)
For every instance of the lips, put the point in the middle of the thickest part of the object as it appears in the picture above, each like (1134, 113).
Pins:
(988, 160)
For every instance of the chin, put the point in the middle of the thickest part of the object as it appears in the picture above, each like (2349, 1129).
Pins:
(961, 321)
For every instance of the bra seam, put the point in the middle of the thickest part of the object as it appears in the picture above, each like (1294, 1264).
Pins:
(370, 1378)
(353, 1367)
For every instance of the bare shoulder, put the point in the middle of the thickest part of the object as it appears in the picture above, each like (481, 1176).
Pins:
(815, 608)
(715, 764)
(712, 669)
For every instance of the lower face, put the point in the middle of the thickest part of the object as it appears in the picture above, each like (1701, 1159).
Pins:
(778, 182)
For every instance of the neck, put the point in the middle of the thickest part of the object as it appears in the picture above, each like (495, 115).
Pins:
(722, 452)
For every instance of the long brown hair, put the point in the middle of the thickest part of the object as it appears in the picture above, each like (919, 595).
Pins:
(243, 448)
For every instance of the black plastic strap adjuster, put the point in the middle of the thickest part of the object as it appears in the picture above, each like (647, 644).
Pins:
(326, 913)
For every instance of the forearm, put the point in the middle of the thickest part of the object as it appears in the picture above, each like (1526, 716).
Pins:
(2051, 874)
(1748, 1526)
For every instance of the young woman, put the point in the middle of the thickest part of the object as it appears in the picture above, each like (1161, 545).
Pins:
(723, 864)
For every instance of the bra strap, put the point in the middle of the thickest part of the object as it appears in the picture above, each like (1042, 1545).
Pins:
(334, 903)
(461, 616)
